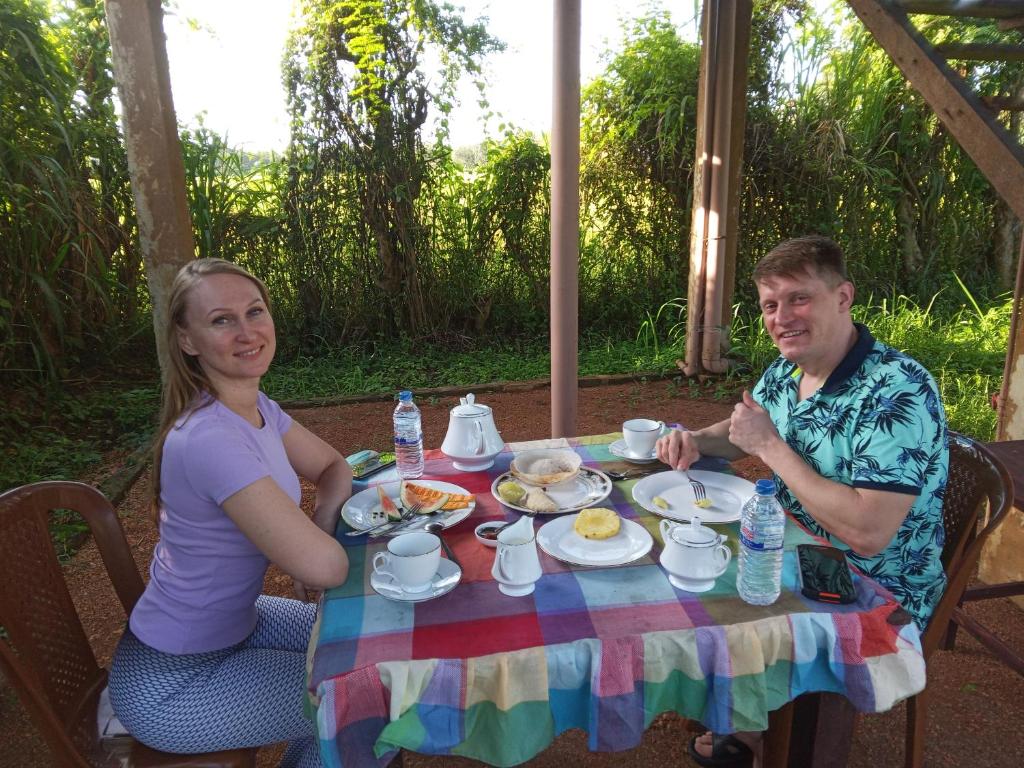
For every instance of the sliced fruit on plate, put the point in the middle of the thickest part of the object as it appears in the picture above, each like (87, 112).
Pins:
(458, 500)
(387, 506)
(597, 523)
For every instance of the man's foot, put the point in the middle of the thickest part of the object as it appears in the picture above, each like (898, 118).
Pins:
(725, 750)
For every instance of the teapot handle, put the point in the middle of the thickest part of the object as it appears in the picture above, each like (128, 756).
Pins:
(479, 438)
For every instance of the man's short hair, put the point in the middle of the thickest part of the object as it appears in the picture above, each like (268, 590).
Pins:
(811, 255)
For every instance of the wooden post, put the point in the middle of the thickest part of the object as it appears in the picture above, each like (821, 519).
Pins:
(565, 218)
(1002, 558)
(155, 164)
(721, 119)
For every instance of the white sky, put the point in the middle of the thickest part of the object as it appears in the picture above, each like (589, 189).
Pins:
(230, 68)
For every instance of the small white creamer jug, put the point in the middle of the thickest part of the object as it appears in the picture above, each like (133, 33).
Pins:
(516, 563)
(694, 555)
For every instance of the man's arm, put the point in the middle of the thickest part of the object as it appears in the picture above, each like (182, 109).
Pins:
(681, 448)
(864, 519)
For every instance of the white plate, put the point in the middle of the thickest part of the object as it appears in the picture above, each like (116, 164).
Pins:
(362, 511)
(585, 489)
(727, 493)
(448, 575)
(559, 540)
(618, 448)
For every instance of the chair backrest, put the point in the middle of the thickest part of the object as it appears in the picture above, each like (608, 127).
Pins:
(979, 492)
(47, 655)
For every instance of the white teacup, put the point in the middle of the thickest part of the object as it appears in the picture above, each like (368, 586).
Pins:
(641, 435)
(411, 561)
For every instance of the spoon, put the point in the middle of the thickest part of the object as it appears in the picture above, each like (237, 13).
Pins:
(435, 527)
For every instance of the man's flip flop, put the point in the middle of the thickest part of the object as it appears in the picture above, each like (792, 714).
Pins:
(726, 752)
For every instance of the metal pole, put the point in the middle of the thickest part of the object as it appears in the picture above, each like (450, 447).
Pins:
(565, 217)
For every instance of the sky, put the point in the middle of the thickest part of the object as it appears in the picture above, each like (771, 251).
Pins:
(225, 63)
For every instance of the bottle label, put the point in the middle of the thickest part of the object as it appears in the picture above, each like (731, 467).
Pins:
(748, 541)
(403, 441)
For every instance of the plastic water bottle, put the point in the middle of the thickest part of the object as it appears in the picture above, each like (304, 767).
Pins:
(408, 437)
(762, 527)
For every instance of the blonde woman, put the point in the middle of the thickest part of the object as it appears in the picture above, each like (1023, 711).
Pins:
(207, 662)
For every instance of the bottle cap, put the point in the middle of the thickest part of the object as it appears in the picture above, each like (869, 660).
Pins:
(765, 487)
(405, 394)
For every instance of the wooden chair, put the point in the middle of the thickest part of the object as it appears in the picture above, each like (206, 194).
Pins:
(978, 494)
(46, 655)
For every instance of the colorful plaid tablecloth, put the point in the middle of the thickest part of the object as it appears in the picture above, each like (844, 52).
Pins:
(496, 678)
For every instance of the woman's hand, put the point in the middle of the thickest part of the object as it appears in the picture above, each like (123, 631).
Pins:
(302, 592)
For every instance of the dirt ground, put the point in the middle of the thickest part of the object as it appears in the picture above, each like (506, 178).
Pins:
(977, 704)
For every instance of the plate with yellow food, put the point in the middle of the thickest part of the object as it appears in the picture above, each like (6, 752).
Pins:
(671, 495)
(587, 487)
(381, 503)
(595, 536)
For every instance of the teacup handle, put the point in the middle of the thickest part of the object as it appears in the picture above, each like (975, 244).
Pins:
(662, 429)
(379, 560)
(723, 553)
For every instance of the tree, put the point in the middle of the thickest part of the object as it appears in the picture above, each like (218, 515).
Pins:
(359, 95)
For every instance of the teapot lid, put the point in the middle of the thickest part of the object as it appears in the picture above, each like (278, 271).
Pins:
(468, 407)
(694, 534)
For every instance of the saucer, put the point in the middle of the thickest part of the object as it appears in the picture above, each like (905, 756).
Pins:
(448, 575)
(618, 448)
(691, 585)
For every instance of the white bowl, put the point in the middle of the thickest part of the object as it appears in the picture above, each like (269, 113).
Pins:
(546, 466)
(492, 543)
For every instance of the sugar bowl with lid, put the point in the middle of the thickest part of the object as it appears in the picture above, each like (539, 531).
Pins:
(694, 555)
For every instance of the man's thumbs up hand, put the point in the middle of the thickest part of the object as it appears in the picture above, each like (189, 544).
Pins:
(750, 428)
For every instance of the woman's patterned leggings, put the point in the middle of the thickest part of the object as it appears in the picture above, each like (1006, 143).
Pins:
(248, 695)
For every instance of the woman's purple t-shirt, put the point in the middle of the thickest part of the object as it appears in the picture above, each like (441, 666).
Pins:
(206, 575)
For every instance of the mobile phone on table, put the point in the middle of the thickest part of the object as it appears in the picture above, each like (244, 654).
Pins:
(824, 574)
(366, 463)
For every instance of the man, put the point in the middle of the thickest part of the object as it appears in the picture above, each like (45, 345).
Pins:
(853, 430)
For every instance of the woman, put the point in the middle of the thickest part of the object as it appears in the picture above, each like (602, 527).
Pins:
(206, 662)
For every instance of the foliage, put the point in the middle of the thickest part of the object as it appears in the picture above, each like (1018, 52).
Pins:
(636, 173)
(67, 248)
(359, 96)
(375, 241)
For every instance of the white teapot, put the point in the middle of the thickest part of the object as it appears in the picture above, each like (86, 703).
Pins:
(472, 440)
(694, 555)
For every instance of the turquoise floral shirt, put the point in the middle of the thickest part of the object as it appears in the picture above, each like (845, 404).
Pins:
(876, 423)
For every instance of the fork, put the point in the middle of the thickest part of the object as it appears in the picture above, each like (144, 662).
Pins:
(628, 475)
(700, 493)
(407, 514)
